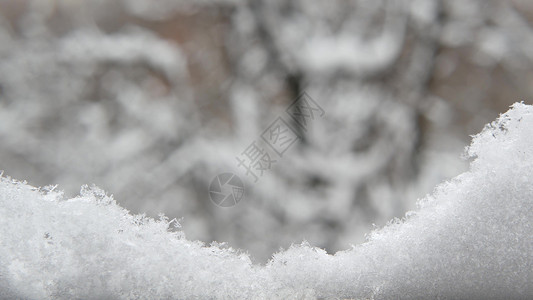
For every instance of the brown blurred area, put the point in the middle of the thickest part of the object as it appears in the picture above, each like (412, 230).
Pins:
(458, 76)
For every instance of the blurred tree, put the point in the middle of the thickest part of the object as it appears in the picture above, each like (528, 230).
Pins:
(150, 101)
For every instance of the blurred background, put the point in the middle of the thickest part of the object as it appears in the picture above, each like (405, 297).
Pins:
(150, 100)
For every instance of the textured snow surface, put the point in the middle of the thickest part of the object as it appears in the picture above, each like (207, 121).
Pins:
(473, 238)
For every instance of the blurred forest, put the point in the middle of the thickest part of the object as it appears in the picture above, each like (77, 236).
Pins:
(150, 100)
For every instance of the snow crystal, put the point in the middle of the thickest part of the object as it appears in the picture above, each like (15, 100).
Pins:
(473, 238)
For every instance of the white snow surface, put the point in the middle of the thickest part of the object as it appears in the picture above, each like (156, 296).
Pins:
(472, 238)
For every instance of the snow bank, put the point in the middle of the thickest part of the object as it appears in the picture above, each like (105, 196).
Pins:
(473, 238)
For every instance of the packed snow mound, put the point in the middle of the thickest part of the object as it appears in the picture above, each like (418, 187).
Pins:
(473, 238)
